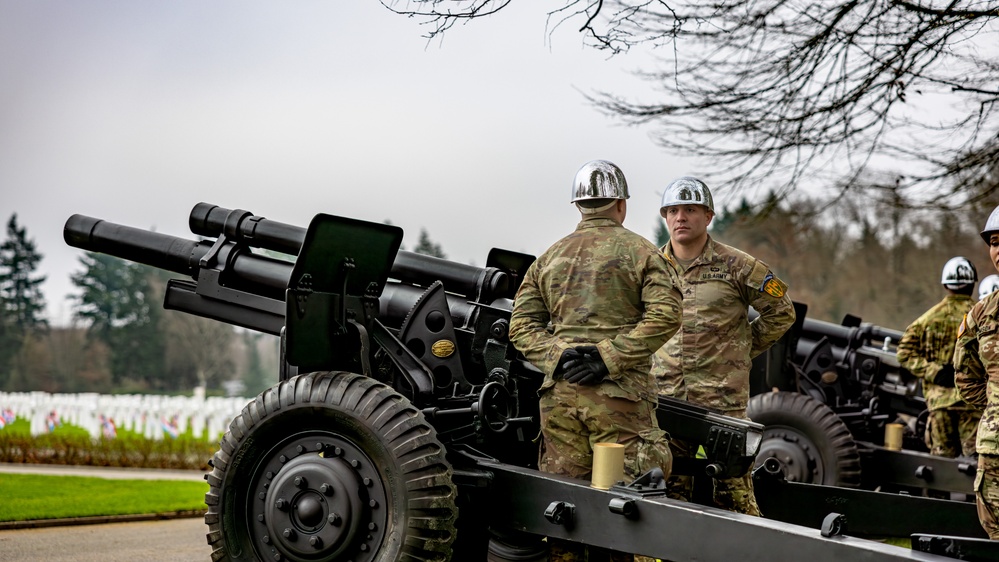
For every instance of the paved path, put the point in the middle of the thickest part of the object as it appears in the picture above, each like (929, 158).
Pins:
(149, 541)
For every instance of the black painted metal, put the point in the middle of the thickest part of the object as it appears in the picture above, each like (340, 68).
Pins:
(665, 528)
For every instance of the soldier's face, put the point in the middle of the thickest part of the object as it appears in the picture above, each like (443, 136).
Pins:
(994, 250)
(687, 223)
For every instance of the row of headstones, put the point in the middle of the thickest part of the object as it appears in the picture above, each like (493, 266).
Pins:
(153, 416)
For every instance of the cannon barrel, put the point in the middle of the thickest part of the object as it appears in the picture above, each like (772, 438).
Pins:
(248, 272)
(409, 267)
(848, 336)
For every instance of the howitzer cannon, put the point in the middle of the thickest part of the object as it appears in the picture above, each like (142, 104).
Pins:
(827, 392)
(403, 423)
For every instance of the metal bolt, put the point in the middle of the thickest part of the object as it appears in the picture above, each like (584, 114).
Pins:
(373, 503)
(277, 555)
(261, 495)
(326, 489)
(283, 459)
(319, 446)
(269, 475)
(355, 463)
(260, 518)
(367, 482)
(300, 482)
(281, 504)
(334, 519)
(363, 547)
(337, 451)
(290, 533)
(372, 526)
(315, 542)
(266, 539)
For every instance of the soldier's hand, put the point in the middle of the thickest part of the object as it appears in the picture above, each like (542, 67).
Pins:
(567, 356)
(945, 376)
(590, 369)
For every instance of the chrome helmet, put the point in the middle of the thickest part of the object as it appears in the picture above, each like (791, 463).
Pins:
(989, 284)
(599, 179)
(958, 272)
(991, 225)
(687, 190)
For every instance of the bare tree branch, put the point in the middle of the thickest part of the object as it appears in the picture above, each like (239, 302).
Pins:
(893, 95)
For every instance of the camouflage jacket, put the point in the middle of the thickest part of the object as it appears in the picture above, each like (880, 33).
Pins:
(602, 285)
(708, 360)
(928, 344)
(976, 368)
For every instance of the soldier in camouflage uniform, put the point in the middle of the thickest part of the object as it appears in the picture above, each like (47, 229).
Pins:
(708, 361)
(927, 349)
(589, 314)
(976, 373)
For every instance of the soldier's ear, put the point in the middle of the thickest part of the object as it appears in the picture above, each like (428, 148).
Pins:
(711, 215)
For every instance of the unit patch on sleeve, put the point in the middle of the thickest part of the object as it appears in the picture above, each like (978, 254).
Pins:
(773, 286)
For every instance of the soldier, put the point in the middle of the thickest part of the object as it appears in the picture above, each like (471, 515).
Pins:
(589, 314)
(927, 349)
(976, 372)
(708, 361)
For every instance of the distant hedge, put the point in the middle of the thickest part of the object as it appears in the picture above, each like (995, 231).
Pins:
(74, 446)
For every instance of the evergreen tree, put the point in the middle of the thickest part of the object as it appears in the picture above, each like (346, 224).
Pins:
(20, 290)
(661, 234)
(21, 301)
(428, 247)
(118, 304)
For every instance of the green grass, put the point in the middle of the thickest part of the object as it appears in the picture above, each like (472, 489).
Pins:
(31, 497)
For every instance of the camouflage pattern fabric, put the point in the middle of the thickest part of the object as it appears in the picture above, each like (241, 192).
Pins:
(601, 285)
(987, 494)
(606, 286)
(707, 362)
(976, 374)
(951, 433)
(575, 417)
(927, 345)
(976, 369)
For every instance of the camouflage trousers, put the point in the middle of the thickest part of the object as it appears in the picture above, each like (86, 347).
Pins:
(573, 419)
(951, 433)
(987, 494)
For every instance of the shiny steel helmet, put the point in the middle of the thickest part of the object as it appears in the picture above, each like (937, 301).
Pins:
(989, 284)
(687, 190)
(599, 179)
(991, 225)
(958, 272)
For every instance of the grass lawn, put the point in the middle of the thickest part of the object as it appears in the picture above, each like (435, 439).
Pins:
(29, 497)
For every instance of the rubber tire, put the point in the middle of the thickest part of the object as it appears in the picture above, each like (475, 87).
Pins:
(413, 477)
(811, 429)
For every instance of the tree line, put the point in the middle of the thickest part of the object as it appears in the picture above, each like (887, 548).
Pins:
(121, 340)
(845, 257)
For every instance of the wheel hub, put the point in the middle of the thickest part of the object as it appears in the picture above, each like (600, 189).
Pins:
(795, 453)
(318, 498)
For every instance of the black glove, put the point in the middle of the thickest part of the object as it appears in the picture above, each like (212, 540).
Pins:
(567, 355)
(589, 369)
(945, 376)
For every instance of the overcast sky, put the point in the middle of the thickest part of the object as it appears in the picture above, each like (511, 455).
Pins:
(134, 112)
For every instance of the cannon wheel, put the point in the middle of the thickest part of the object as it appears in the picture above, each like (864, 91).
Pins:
(330, 466)
(808, 437)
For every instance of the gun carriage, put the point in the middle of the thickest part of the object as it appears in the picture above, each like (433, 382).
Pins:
(403, 423)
